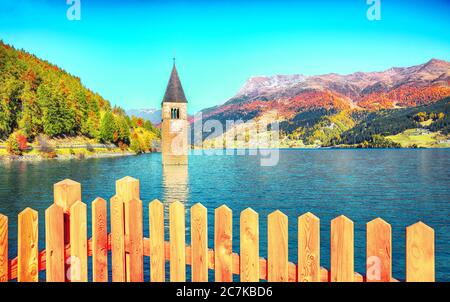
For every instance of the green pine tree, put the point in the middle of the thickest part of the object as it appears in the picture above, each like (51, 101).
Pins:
(107, 128)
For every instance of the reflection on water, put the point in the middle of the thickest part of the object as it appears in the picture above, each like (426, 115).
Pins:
(175, 183)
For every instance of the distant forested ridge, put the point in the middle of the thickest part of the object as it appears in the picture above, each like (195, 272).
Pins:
(390, 122)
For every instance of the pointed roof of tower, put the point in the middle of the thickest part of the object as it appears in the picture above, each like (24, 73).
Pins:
(174, 91)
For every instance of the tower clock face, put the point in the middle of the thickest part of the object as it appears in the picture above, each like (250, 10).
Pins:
(176, 126)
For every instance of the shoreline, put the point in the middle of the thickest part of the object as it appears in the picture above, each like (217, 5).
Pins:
(38, 158)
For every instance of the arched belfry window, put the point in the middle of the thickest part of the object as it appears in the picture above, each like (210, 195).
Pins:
(174, 113)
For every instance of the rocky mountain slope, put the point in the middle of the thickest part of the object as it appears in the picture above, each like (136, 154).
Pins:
(392, 88)
(290, 98)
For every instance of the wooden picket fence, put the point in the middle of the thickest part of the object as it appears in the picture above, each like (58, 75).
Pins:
(65, 257)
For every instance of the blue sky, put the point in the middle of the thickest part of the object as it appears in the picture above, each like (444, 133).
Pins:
(124, 49)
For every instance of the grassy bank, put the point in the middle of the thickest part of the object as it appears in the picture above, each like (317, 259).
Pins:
(421, 138)
(67, 148)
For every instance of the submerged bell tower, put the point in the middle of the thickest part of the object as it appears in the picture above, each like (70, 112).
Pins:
(174, 127)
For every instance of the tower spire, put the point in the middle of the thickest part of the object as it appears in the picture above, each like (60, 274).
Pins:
(174, 56)
(174, 91)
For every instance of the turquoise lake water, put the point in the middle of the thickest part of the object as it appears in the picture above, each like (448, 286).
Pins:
(401, 186)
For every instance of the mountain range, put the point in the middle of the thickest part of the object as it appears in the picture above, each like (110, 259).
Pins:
(393, 88)
(302, 102)
(151, 114)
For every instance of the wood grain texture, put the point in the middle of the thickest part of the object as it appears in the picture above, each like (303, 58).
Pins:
(54, 244)
(223, 244)
(292, 267)
(127, 188)
(277, 241)
(135, 234)
(3, 248)
(66, 193)
(199, 243)
(342, 250)
(156, 253)
(420, 262)
(27, 267)
(117, 239)
(78, 243)
(249, 246)
(99, 241)
(12, 273)
(378, 251)
(177, 242)
(308, 248)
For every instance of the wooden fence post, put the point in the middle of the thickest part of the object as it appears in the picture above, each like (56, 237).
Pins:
(65, 194)
(28, 266)
(127, 188)
(420, 253)
(117, 239)
(99, 241)
(277, 240)
(54, 244)
(3, 248)
(177, 242)
(308, 248)
(199, 243)
(223, 244)
(78, 243)
(342, 250)
(249, 240)
(156, 227)
(378, 251)
(134, 237)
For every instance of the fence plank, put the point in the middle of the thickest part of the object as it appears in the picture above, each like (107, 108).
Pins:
(3, 248)
(342, 250)
(27, 267)
(99, 241)
(117, 239)
(134, 231)
(54, 244)
(308, 248)
(156, 227)
(177, 242)
(379, 251)
(78, 243)
(277, 240)
(127, 188)
(420, 253)
(199, 243)
(249, 249)
(65, 194)
(223, 245)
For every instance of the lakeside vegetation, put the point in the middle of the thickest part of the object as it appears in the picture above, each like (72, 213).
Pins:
(41, 103)
(420, 138)
(425, 126)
